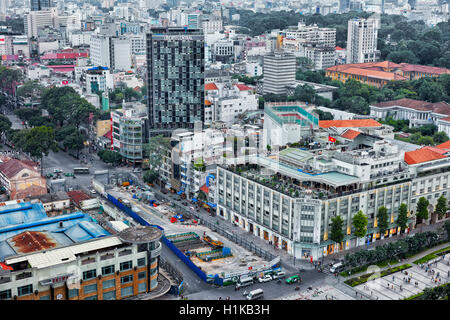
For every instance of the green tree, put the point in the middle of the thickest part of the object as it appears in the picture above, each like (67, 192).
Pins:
(402, 218)
(422, 209)
(336, 232)
(324, 115)
(109, 156)
(425, 140)
(30, 89)
(440, 137)
(5, 123)
(447, 228)
(360, 224)
(25, 114)
(37, 141)
(150, 176)
(382, 219)
(405, 56)
(441, 206)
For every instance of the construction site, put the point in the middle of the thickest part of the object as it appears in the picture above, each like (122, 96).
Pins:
(215, 254)
(212, 252)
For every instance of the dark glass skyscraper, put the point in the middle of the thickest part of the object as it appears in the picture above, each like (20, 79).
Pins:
(38, 5)
(175, 78)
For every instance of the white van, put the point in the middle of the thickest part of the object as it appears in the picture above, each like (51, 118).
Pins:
(244, 282)
(255, 294)
(337, 267)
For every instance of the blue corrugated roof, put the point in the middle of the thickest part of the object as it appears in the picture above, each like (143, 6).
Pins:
(77, 226)
(21, 213)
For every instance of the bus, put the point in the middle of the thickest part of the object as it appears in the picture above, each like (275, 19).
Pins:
(81, 170)
(255, 294)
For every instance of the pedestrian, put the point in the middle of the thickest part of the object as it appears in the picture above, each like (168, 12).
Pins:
(371, 292)
(393, 279)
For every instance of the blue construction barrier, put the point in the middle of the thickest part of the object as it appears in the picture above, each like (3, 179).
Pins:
(166, 241)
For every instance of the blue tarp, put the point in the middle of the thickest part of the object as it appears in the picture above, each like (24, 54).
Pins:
(180, 192)
(194, 200)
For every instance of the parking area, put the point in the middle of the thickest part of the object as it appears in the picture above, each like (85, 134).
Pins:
(404, 284)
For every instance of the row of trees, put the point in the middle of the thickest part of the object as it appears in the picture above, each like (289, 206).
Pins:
(66, 109)
(360, 220)
(392, 250)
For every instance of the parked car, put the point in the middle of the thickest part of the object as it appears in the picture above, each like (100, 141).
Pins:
(57, 170)
(93, 191)
(279, 275)
(266, 278)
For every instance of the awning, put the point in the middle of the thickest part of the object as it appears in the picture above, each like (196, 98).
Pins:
(212, 205)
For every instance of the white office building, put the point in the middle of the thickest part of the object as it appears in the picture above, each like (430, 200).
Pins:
(279, 72)
(362, 39)
(111, 52)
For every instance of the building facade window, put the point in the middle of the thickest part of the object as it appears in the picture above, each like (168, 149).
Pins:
(91, 298)
(126, 279)
(106, 284)
(72, 293)
(108, 270)
(142, 287)
(111, 295)
(128, 291)
(141, 275)
(90, 274)
(141, 262)
(22, 291)
(5, 294)
(90, 288)
(127, 265)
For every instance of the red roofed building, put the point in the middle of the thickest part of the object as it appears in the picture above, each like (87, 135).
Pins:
(350, 134)
(243, 87)
(424, 154)
(68, 57)
(80, 199)
(445, 145)
(357, 123)
(379, 74)
(211, 86)
(21, 179)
